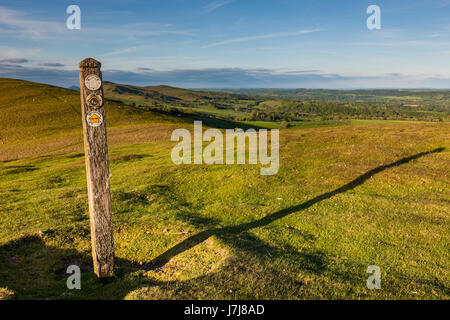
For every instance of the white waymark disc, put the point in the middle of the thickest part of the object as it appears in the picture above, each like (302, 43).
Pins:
(93, 82)
(94, 119)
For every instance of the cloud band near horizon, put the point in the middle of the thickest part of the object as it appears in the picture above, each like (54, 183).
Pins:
(223, 78)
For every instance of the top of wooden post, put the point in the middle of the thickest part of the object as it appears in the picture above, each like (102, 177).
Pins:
(89, 63)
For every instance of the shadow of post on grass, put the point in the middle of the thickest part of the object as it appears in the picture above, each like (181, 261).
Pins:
(202, 236)
(33, 270)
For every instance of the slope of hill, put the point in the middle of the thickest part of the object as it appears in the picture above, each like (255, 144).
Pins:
(345, 198)
(35, 116)
(164, 94)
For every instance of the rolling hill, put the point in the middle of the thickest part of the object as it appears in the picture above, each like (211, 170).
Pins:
(37, 118)
(295, 106)
(345, 198)
(165, 94)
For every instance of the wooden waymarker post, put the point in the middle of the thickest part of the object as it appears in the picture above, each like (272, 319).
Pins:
(97, 169)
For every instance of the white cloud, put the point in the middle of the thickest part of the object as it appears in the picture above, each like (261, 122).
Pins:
(231, 78)
(127, 50)
(262, 36)
(7, 52)
(18, 24)
(142, 29)
(406, 43)
(210, 7)
(444, 3)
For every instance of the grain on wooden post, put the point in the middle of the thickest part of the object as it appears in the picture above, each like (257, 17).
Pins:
(97, 167)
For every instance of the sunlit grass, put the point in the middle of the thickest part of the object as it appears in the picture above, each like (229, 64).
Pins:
(396, 219)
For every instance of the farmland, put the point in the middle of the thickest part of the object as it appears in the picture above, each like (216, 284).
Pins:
(291, 106)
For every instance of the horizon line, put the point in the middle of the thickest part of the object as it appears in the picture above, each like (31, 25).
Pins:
(248, 88)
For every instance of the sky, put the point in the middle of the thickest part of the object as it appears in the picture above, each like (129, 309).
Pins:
(231, 43)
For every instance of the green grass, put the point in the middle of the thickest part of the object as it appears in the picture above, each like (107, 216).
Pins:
(38, 119)
(299, 124)
(319, 124)
(349, 194)
(226, 232)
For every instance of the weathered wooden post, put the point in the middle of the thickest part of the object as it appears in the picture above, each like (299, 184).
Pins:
(97, 169)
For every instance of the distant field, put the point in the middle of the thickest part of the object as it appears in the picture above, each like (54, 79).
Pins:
(418, 97)
(319, 124)
(348, 194)
(392, 104)
(290, 105)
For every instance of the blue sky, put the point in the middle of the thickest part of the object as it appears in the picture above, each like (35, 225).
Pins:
(231, 43)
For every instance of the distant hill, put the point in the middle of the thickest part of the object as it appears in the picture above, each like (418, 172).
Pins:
(290, 105)
(151, 95)
(74, 88)
(406, 97)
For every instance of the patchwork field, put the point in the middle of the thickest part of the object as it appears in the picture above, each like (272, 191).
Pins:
(345, 197)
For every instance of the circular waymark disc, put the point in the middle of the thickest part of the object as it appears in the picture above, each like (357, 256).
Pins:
(93, 82)
(94, 119)
(94, 100)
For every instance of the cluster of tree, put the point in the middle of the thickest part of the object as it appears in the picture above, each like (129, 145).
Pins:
(289, 110)
(285, 105)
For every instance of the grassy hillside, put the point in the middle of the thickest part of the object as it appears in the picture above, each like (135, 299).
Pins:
(346, 197)
(38, 119)
(343, 200)
(152, 95)
(192, 102)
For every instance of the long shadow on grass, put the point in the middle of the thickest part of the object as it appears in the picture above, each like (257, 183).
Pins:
(33, 270)
(30, 268)
(220, 232)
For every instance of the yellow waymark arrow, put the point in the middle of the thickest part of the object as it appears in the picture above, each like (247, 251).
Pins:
(94, 118)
